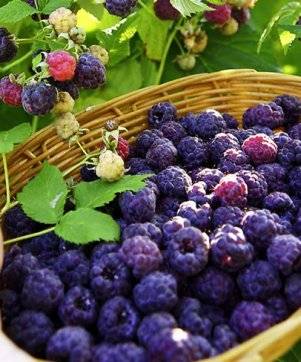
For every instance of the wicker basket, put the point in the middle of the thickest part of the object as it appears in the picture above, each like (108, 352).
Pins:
(229, 91)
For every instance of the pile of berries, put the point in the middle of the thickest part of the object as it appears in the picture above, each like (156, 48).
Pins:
(58, 75)
(210, 254)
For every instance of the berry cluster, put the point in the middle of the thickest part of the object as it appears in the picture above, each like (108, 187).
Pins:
(57, 74)
(209, 257)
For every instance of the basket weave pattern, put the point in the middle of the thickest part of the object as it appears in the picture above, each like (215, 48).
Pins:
(229, 91)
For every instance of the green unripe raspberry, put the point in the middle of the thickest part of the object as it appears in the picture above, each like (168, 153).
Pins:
(110, 166)
(186, 61)
(78, 35)
(66, 125)
(64, 104)
(100, 53)
(230, 28)
(237, 3)
(63, 20)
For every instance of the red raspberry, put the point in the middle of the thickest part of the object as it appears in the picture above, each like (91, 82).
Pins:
(10, 92)
(232, 191)
(123, 148)
(260, 148)
(220, 16)
(61, 65)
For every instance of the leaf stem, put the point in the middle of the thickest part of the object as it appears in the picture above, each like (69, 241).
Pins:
(165, 53)
(29, 236)
(16, 62)
(7, 188)
(35, 122)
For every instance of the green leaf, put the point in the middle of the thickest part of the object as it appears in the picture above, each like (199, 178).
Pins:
(153, 32)
(14, 136)
(295, 29)
(55, 4)
(94, 7)
(189, 7)
(43, 198)
(86, 225)
(293, 355)
(15, 11)
(98, 193)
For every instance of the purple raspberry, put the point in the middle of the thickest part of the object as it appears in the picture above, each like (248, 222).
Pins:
(280, 138)
(234, 160)
(178, 345)
(297, 225)
(295, 131)
(231, 122)
(172, 226)
(275, 176)
(216, 314)
(10, 305)
(153, 324)
(278, 202)
(161, 113)
(42, 290)
(265, 130)
(197, 193)
(191, 318)
(229, 249)
(250, 318)
(199, 217)
(90, 73)
(292, 290)
(121, 352)
(109, 276)
(221, 143)
(88, 173)
(257, 186)
(68, 86)
(224, 338)
(143, 229)
(291, 107)
(278, 308)
(103, 249)
(156, 292)
(259, 227)
(260, 148)
(165, 11)
(17, 269)
(161, 154)
(141, 255)
(210, 176)
(169, 206)
(243, 134)
(267, 115)
(193, 152)
(188, 122)
(118, 320)
(138, 207)
(294, 180)
(136, 166)
(208, 124)
(188, 251)
(232, 191)
(290, 154)
(8, 47)
(39, 98)
(71, 344)
(73, 268)
(31, 331)
(214, 286)
(284, 253)
(159, 220)
(227, 215)
(173, 131)
(145, 140)
(173, 181)
(16, 223)
(78, 307)
(120, 8)
(259, 281)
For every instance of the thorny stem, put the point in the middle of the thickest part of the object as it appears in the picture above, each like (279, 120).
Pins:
(179, 45)
(16, 62)
(166, 50)
(82, 148)
(7, 188)
(71, 169)
(29, 236)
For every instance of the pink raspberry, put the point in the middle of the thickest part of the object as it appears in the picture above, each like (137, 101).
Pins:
(260, 148)
(232, 191)
(61, 65)
(10, 92)
(123, 148)
(220, 15)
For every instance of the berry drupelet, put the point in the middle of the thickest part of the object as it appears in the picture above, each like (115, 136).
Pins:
(10, 92)
(173, 181)
(90, 73)
(8, 48)
(232, 191)
(193, 152)
(267, 115)
(161, 113)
